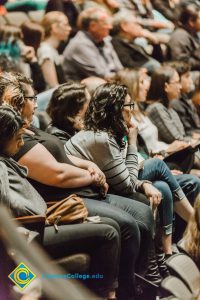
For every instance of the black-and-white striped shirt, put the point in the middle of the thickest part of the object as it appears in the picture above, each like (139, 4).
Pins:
(101, 148)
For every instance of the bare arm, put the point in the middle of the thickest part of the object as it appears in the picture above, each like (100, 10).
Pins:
(49, 73)
(44, 168)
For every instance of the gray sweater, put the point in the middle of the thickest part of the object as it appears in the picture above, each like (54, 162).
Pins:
(101, 148)
(170, 127)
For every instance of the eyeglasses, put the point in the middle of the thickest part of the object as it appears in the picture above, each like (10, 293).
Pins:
(131, 105)
(32, 98)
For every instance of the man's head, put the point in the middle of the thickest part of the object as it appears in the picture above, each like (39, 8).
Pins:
(190, 17)
(95, 21)
(124, 23)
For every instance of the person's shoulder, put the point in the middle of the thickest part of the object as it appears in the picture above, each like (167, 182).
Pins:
(179, 33)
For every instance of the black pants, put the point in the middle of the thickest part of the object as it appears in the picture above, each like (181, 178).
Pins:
(136, 225)
(101, 241)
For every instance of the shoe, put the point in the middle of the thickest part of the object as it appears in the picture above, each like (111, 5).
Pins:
(161, 261)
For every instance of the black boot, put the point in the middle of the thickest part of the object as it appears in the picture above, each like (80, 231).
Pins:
(153, 273)
(161, 259)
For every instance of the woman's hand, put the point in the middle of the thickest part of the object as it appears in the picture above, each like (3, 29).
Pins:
(176, 172)
(132, 134)
(152, 194)
(99, 178)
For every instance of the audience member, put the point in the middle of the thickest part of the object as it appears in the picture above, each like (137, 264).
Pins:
(184, 106)
(164, 89)
(96, 56)
(107, 122)
(184, 43)
(57, 29)
(125, 29)
(67, 108)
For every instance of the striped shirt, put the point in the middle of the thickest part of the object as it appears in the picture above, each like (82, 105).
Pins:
(101, 148)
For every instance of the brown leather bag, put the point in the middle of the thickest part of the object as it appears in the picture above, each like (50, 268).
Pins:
(69, 210)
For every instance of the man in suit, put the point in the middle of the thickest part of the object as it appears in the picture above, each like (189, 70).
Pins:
(125, 30)
(90, 52)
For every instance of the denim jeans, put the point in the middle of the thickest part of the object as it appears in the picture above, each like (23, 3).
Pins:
(136, 225)
(158, 172)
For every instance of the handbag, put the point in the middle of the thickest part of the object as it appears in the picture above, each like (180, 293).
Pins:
(69, 210)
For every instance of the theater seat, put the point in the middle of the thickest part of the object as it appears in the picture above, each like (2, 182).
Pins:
(16, 18)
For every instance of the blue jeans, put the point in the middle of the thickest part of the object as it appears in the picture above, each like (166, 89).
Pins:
(158, 172)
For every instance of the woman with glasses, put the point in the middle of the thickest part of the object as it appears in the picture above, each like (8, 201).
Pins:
(109, 140)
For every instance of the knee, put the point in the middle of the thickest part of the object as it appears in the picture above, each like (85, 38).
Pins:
(110, 234)
(164, 188)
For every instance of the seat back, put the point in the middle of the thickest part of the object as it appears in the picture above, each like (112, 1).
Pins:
(2, 21)
(16, 18)
(36, 15)
(184, 266)
(175, 286)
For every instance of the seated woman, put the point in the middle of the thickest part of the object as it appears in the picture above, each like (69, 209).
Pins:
(107, 125)
(55, 176)
(100, 241)
(67, 109)
(56, 29)
(164, 88)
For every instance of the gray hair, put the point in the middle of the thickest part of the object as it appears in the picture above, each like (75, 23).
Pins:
(88, 15)
(122, 16)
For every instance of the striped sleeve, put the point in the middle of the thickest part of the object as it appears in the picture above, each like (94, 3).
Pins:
(122, 174)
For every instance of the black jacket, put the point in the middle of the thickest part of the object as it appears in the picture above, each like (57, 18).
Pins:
(130, 54)
(187, 113)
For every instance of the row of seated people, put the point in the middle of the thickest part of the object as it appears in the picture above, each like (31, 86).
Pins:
(105, 152)
(90, 45)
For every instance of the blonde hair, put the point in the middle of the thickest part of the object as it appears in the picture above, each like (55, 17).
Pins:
(191, 236)
(130, 78)
(49, 19)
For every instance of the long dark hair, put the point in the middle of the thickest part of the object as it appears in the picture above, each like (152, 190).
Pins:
(105, 111)
(66, 101)
(159, 78)
(10, 123)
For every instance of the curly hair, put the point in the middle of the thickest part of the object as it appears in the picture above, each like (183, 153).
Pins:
(191, 236)
(13, 87)
(66, 101)
(105, 111)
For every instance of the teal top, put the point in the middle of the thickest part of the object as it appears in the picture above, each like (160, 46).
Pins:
(33, 4)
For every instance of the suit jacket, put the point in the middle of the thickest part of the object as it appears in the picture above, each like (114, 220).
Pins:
(130, 54)
(83, 58)
(184, 46)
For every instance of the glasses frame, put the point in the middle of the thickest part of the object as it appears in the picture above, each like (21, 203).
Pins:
(131, 105)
